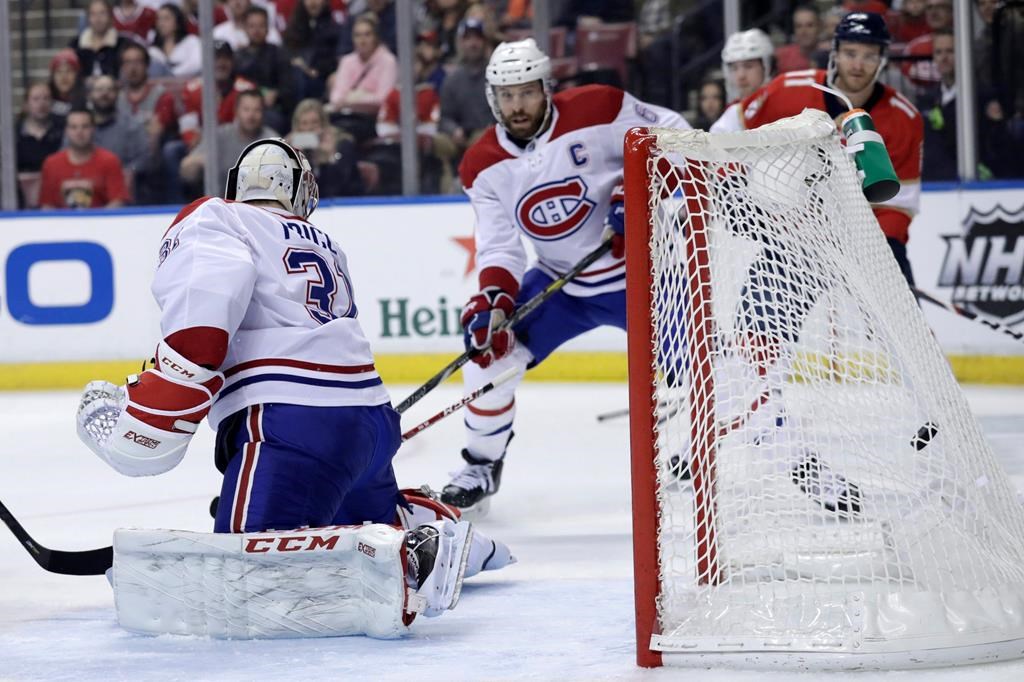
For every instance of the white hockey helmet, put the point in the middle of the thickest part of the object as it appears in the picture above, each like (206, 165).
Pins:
(750, 44)
(273, 170)
(516, 63)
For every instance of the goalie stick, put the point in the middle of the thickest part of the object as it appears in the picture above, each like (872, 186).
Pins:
(517, 316)
(86, 562)
(963, 312)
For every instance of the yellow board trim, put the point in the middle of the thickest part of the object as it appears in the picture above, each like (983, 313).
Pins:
(412, 369)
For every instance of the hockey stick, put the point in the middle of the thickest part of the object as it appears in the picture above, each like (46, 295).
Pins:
(963, 312)
(455, 407)
(614, 414)
(520, 313)
(87, 562)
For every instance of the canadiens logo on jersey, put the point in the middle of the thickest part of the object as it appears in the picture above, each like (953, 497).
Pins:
(554, 210)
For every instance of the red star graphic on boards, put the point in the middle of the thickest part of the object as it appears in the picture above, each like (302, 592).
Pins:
(469, 244)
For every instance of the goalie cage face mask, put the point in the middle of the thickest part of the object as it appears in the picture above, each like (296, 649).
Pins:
(271, 169)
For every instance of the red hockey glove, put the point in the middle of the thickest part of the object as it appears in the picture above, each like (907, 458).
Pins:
(480, 319)
(615, 222)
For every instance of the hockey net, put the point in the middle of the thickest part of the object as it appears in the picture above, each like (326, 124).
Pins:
(842, 505)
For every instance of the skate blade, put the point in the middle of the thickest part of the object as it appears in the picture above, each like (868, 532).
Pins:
(477, 511)
(466, 535)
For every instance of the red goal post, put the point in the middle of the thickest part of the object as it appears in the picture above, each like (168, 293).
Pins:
(776, 353)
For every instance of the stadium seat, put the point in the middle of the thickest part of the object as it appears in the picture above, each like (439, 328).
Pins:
(606, 46)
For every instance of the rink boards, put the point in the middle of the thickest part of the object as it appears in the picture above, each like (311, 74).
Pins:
(75, 302)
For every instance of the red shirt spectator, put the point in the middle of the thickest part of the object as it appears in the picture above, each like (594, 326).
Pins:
(428, 113)
(876, 6)
(82, 175)
(909, 22)
(798, 55)
(134, 20)
(186, 113)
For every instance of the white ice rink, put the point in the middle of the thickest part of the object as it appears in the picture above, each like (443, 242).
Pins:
(564, 612)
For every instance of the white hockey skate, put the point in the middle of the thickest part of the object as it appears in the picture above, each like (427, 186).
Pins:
(437, 553)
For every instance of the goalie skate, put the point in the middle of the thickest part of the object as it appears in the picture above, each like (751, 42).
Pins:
(437, 553)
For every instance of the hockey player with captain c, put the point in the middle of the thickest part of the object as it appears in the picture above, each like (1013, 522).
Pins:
(550, 171)
(260, 334)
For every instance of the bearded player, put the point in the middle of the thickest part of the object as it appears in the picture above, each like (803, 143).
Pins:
(550, 171)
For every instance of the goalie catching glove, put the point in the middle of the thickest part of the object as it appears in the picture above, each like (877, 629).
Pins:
(484, 314)
(144, 427)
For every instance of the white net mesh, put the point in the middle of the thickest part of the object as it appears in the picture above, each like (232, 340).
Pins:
(842, 498)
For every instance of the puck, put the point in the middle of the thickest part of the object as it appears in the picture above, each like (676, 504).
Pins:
(924, 436)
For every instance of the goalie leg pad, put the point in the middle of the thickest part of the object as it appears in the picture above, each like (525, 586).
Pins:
(314, 582)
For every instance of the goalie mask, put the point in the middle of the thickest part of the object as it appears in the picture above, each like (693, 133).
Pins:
(518, 63)
(859, 27)
(271, 169)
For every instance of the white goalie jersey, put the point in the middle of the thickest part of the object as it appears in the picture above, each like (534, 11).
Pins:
(281, 290)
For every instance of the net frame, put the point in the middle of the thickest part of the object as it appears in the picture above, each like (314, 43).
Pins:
(641, 155)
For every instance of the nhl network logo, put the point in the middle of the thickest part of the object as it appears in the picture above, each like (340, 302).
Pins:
(984, 266)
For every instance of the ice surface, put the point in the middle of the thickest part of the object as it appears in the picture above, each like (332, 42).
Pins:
(564, 612)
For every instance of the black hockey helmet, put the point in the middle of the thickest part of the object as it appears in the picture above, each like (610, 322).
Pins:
(862, 27)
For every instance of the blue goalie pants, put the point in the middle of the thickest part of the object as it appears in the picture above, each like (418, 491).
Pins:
(290, 466)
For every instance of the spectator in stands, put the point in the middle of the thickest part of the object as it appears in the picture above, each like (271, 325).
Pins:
(175, 52)
(386, 150)
(387, 19)
(134, 20)
(285, 10)
(232, 31)
(876, 6)
(909, 22)
(331, 153)
(312, 39)
(82, 175)
(428, 60)
(829, 22)
(180, 118)
(802, 52)
(232, 138)
(138, 95)
(465, 113)
(66, 89)
(363, 79)
(99, 45)
(518, 14)
(446, 15)
(983, 44)
(125, 136)
(39, 131)
(711, 100)
(939, 16)
(996, 149)
(267, 66)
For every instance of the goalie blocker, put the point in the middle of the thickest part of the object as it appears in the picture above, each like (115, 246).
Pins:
(371, 580)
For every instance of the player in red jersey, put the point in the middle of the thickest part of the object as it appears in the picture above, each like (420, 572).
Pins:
(858, 57)
(781, 287)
